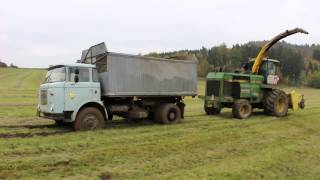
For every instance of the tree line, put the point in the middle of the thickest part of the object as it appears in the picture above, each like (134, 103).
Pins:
(298, 63)
(4, 65)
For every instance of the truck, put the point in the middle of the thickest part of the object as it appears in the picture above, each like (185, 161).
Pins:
(103, 84)
(255, 87)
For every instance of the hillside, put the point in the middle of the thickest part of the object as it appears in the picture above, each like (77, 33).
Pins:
(201, 147)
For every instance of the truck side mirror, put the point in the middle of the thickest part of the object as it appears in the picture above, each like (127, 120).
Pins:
(76, 71)
(76, 77)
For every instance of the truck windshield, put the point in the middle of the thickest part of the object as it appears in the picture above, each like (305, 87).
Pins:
(56, 75)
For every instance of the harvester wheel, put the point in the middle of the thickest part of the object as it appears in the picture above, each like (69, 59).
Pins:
(276, 103)
(212, 110)
(241, 109)
(89, 118)
(168, 114)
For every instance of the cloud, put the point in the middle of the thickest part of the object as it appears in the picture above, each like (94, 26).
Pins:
(38, 33)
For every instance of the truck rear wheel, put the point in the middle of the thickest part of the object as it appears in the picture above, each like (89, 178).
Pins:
(276, 103)
(168, 114)
(241, 109)
(89, 118)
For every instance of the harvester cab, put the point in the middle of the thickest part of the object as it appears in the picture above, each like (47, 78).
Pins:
(269, 69)
(256, 87)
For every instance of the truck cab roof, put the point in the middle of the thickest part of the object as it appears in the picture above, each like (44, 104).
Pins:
(73, 65)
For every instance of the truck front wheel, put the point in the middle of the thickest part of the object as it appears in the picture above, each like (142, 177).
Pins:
(168, 114)
(89, 118)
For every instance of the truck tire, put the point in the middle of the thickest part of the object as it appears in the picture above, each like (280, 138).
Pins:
(89, 118)
(276, 103)
(212, 110)
(168, 114)
(241, 109)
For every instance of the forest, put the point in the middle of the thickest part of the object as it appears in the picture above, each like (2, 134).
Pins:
(299, 64)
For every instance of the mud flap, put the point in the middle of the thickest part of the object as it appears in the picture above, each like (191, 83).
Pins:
(181, 105)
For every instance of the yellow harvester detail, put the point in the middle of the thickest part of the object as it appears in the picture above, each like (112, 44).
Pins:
(296, 100)
(265, 48)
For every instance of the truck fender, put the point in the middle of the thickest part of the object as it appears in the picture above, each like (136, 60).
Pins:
(89, 103)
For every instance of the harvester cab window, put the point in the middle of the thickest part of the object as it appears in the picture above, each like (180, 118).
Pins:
(84, 75)
(272, 68)
(263, 70)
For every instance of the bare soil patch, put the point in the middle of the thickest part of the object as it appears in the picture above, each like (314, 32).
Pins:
(29, 135)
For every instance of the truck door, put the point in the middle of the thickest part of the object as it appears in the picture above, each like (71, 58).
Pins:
(76, 93)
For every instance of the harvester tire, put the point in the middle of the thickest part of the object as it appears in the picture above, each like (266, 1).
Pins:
(89, 118)
(168, 114)
(212, 110)
(276, 103)
(241, 109)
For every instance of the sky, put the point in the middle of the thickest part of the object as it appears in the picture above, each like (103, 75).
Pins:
(39, 33)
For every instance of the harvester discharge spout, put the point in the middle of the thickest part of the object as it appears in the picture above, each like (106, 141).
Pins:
(265, 48)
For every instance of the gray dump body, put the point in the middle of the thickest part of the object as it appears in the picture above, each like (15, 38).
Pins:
(130, 75)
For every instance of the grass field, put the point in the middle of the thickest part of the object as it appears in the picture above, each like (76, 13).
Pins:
(201, 147)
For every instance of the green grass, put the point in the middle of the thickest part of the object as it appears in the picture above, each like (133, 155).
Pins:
(201, 147)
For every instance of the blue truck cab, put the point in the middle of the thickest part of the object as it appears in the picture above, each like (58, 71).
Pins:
(67, 89)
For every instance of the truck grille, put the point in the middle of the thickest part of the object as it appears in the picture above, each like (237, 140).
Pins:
(43, 96)
(213, 88)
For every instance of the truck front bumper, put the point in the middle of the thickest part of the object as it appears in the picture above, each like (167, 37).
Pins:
(54, 116)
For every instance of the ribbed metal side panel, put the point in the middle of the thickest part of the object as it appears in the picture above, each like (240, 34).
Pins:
(141, 76)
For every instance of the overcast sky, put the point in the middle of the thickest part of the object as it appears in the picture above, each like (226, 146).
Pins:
(37, 33)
